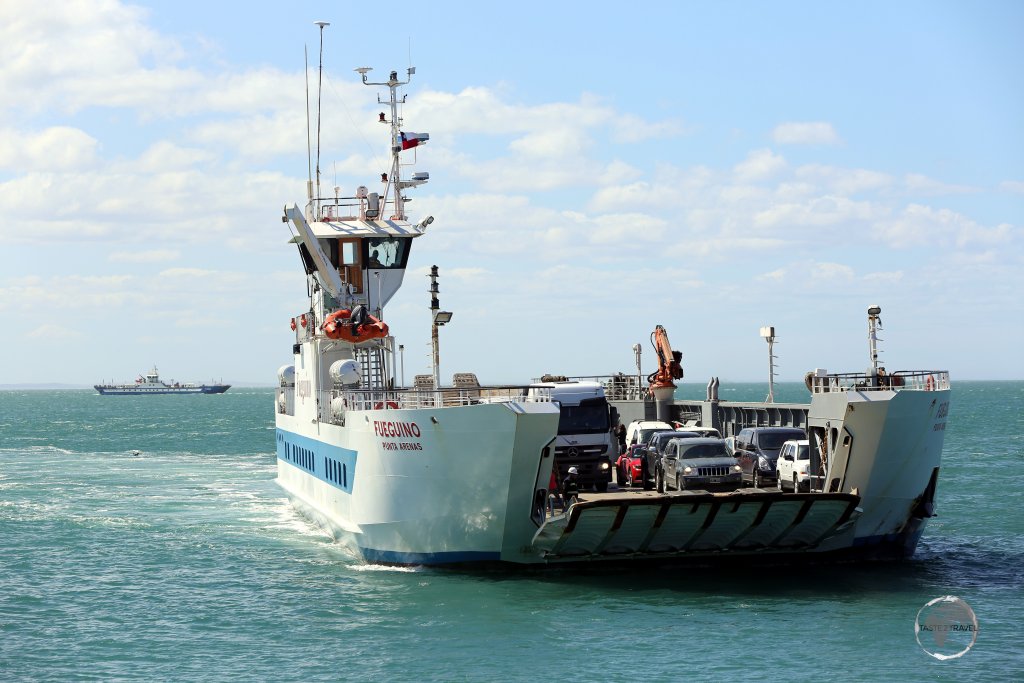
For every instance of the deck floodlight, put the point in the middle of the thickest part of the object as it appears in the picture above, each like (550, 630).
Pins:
(442, 317)
(875, 310)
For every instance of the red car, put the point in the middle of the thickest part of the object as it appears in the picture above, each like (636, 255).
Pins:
(629, 466)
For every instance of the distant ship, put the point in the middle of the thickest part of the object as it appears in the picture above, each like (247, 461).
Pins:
(151, 384)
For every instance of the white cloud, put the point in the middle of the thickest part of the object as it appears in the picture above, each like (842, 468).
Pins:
(60, 148)
(885, 278)
(808, 133)
(831, 271)
(778, 275)
(165, 156)
(150, 256)
(760, 165)
(1012, 186)
(57, 334)
(843, 181)
(923, 185)
(552, 144)
(629, 129)
(69, 292)
(816, 212)
(919, 225)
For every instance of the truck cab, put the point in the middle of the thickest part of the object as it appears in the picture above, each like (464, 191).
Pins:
(585, 440)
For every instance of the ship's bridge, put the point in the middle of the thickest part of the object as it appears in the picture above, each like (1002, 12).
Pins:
(365, 259)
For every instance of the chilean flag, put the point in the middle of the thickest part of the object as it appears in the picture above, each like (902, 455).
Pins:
(410, 140)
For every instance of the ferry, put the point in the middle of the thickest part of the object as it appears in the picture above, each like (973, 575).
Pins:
(150, 383)
(460, 473)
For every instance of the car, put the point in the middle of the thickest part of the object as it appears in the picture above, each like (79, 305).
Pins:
(655, 449)
(639, 463)
(757, 449)
(639, 431)
(629, 468)
(794, 466)
(700, 463)
(709, 432)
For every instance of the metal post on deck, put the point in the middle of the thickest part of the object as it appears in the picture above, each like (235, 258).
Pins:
(768, 334)
(438, 318)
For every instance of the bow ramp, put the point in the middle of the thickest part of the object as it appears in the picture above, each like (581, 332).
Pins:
(694, 524)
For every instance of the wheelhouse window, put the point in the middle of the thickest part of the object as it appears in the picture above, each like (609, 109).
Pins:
(345, 256)
(380, 253)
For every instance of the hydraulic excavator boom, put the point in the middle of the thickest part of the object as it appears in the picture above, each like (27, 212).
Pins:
(669, 367)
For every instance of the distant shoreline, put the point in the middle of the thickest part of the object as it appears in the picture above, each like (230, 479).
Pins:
(76, 387)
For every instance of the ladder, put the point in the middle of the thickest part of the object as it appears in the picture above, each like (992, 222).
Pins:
(373, 366)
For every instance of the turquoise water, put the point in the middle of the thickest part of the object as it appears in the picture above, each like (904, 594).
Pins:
(186, 563)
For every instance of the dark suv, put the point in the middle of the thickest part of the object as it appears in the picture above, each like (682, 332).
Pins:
(654, 451)
(757, 450)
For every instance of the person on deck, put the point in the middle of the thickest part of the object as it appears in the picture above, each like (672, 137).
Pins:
(571, 487)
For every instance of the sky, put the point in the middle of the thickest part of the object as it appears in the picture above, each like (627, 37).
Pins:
(596, 171)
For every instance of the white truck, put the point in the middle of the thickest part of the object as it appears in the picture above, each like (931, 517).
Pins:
(585, 440)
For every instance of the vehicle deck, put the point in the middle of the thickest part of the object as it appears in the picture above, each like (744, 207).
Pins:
(693, 522)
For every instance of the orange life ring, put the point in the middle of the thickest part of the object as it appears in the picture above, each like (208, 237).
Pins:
(293, 323)
(929, 384)
(390, 404)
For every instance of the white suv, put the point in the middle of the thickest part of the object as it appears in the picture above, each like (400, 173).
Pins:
(793, 466)
(639, 431)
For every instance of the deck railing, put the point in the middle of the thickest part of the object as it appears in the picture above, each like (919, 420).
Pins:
(903, 380)
(336, 403)
(618, 387)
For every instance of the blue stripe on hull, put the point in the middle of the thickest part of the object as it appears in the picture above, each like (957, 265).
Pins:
(330, 464)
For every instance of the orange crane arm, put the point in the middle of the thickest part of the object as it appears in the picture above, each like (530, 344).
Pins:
(669, 367)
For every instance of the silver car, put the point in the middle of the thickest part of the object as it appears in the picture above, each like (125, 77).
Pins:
(700, 464)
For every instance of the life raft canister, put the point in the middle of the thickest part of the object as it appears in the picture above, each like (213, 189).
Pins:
(302, 320)
(293, 324)
(338, 325)
(929, 384)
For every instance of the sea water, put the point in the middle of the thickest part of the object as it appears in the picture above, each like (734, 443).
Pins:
(186, 563)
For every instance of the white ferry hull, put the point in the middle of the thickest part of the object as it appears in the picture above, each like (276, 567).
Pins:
(423, 486)
(894, 457)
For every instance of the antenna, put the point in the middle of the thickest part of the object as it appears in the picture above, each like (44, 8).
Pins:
(319, 82)
(309, 147)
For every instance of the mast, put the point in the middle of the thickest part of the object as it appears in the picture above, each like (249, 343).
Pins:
(319, 82)
(394, 179)
(874, 324)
